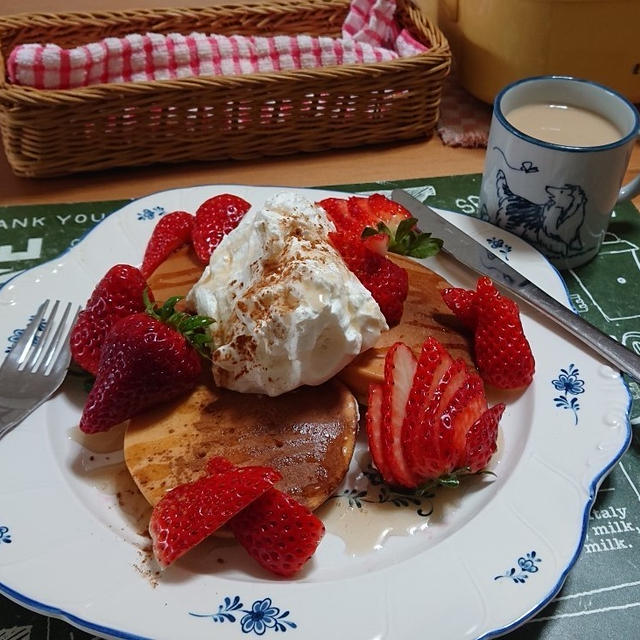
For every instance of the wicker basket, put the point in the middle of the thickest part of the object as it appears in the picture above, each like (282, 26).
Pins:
(49, 133)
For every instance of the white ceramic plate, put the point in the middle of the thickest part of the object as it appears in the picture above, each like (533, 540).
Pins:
(464, 564)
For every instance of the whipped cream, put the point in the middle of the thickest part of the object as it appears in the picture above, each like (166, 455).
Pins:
(288, 312)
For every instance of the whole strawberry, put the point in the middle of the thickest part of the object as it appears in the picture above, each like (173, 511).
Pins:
(215, 218)
(463, 304)
(172, 231)
(278, 532)
(147, 358)
(387, 282)
(190, 512)
(118, 294)
(502, 352)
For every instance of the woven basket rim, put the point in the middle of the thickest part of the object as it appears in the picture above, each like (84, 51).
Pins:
(259, 7)
(436, 57)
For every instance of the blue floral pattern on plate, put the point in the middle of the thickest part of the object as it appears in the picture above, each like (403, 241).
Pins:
(527, 564)
(4, 534)
(17, 334)
(261, 617)
(378, 492)
(151, 213)
(570, 383)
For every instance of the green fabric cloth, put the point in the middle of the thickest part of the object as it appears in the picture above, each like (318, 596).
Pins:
(601, 596)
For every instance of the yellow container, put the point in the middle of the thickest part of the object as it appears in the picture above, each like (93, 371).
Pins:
(495, 42)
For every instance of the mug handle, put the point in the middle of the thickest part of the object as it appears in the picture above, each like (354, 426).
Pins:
(632, 188)
(629, 190)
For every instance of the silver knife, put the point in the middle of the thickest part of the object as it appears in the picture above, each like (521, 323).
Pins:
(474, 255)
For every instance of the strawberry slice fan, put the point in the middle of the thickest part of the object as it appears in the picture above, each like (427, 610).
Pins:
(428, 422)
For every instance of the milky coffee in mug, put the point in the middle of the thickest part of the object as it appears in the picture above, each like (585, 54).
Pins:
(557, 152)
(563, 124)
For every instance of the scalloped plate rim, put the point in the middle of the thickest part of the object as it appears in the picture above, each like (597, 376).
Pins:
(90, 627)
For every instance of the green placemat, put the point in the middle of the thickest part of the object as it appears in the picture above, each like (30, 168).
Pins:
(601, 596)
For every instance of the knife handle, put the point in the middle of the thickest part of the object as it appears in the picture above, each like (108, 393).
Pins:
(616, 353)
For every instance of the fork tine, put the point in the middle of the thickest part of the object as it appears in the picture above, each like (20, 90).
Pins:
(62, 362)
(24, 344)
(52, 349)
(44, 336)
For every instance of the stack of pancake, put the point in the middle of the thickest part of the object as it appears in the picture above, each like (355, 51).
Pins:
(308, 434)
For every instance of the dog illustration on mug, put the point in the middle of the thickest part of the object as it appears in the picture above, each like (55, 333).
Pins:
(554, 226)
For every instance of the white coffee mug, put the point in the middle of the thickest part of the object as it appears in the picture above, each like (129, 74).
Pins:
(557, 196)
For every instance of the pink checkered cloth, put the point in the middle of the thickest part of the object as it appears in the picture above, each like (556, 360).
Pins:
(369, 35)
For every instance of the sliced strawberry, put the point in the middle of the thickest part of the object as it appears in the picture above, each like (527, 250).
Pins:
(215, 218)
(463, 304)
(399, 371)
(481, 438)
(387, 282)
(190, 512)
(434, 360)
(118, 294)
(172, 232)
(464, 408)
(502, 352)
(377, 242)
(278, 532)
(338, 212)
(374, 432)
(375, 209)
(432, 444)
(360, 216)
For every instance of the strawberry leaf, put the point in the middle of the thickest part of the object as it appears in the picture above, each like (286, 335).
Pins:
(192, 327)
(407, 240)
(422, 245)
(451, 480)
(405, 229)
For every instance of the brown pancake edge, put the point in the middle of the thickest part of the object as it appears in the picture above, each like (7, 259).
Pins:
(307, 434)
(425, 315)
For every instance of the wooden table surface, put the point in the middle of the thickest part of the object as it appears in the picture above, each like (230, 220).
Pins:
(407, 160)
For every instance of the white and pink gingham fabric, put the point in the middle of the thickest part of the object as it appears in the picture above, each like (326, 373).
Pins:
(369, 35)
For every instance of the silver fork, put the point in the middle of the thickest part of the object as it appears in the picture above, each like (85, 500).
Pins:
(36, 366)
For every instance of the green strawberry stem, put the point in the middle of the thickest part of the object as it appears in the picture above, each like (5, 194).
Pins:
(448, 480)
(192, 327)
(408, 240)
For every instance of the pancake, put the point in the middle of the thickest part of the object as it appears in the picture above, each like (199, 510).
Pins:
(176, 275)
(425, 315)
(307, 434)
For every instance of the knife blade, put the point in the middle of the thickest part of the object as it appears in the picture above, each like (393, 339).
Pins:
(477, 257)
